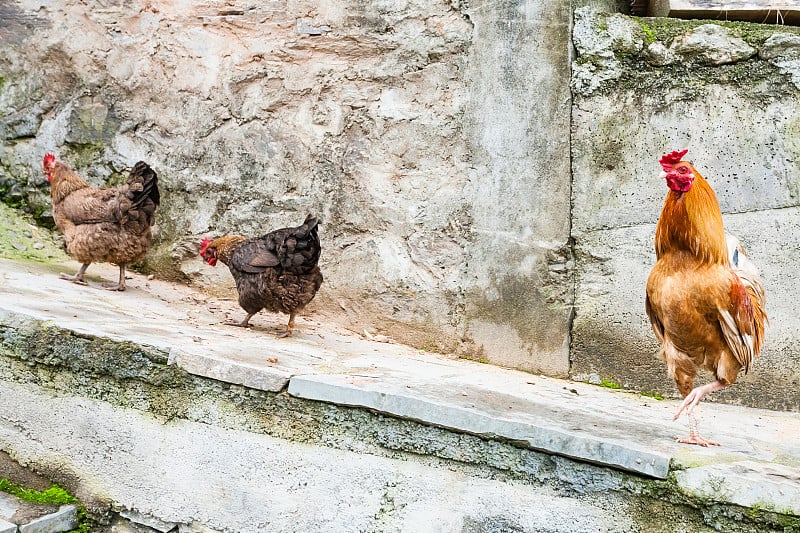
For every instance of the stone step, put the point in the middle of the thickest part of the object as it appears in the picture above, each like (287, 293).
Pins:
(20, 516)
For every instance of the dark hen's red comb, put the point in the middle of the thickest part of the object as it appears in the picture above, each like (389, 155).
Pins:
(667, 160)
(204, 245)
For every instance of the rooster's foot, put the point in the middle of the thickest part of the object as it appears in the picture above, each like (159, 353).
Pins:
(283, 335)
(698, 440)
(119, 288)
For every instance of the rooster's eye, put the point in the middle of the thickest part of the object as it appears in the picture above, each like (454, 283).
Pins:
(683, 170)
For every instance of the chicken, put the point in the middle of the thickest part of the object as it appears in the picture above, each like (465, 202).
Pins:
(705, 299)
(277, 272)
(103, 224)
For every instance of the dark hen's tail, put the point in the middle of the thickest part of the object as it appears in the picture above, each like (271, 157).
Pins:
(299, 249)
(143, 190)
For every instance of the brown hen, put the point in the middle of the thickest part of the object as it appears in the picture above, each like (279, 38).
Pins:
(103, 224)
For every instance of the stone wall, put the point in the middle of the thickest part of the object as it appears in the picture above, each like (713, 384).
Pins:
(432, 138)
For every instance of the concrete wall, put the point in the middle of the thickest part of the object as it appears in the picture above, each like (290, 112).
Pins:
(130, 435)
(431, 137)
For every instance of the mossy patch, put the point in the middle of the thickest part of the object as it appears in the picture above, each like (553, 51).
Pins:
(21, 238)
(607, 383)
(55, 494)
(653, 395)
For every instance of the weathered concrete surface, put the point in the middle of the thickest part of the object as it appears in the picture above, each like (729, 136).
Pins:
(740, 124)
(430, 137)
(519, 296)
(232, 480)
(129, 414)
(464, 401)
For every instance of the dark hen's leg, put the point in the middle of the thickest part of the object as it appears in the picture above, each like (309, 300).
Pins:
(289, 327)
(77, 278)
(121, 285)
(243, 324)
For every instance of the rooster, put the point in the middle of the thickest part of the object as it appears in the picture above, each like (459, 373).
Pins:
(277, 272)
(705, 299)
(103, 224)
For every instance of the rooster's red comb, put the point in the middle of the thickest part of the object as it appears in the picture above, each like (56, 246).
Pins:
(667, 160)
(204, 245)
(48, 159)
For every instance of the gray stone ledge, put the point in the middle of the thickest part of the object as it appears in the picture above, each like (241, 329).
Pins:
(616, 429)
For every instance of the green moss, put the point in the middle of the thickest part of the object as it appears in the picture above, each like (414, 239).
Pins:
(55, 494)
(82, 155)
(653, 395)
(649, 34)
(666, 29)
(609, 384)
(19, 234)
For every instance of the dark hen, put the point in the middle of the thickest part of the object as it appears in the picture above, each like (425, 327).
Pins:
(277, 272)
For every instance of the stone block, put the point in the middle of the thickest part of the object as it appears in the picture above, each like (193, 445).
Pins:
(65, 519)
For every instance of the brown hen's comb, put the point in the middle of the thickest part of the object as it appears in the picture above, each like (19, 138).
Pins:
(667, 160)
(48, 159)
(204, 245)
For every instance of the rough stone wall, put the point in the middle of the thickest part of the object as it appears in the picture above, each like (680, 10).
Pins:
(432, 138)
(729, 93)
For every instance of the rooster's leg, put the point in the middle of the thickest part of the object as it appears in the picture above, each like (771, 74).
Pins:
(289, 327)
(77, 278)
(694, 436)
(243, 324)
(689, 403)
(121, 285)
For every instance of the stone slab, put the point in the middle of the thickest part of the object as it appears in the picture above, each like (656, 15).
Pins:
(7, 527)
(149, 521)
(746, 483)
(145, 315)
(8, 505)
(65, 519)
(617, 429)
(545, 434)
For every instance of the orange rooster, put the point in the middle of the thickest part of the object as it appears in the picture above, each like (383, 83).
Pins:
(103, 224)
(704, 298)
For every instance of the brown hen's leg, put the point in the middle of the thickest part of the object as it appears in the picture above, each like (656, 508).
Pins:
(689, 403)
(121, 285)
(77, 278)
(289, 328)
(243, 324)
